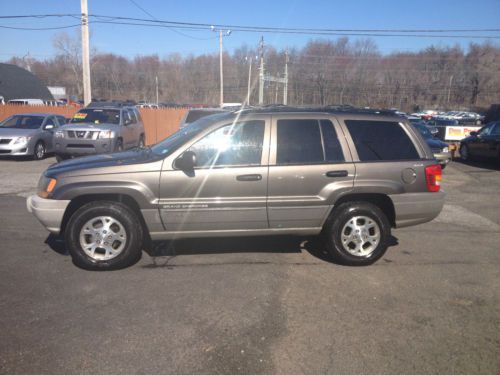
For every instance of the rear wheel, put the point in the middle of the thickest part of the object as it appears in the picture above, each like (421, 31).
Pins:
(141, 142)
(104, 235)
(357, 234)
(39, 151)
(119, 145)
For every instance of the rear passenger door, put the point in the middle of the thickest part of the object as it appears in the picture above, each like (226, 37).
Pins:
(310, 165)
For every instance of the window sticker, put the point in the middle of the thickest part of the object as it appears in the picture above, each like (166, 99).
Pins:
(80, 116)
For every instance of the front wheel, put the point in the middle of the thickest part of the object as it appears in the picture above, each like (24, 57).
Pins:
(39, 151)
(104, 235)
(464, 152)
(357, 234)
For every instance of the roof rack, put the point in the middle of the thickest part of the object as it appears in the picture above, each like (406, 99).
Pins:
(332, 108)
(98, 104)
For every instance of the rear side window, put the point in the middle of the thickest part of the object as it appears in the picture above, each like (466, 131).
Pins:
(307, 142)
(381, 140)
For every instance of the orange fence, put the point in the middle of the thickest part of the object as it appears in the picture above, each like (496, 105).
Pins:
(158, 123)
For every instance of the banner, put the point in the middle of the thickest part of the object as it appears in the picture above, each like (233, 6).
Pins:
(457, 133)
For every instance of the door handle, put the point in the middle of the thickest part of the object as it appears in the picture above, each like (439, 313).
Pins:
(249, 177)
(342, 173)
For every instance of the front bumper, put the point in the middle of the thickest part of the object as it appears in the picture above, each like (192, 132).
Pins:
(76, 146)
(49, 212)
(11, 149)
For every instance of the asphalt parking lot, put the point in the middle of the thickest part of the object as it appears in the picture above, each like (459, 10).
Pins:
(261, 305)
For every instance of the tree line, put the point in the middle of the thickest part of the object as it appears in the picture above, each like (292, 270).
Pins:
(323, 72)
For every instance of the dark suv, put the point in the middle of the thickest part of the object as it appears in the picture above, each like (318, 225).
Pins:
(348, 174)
(100, 128)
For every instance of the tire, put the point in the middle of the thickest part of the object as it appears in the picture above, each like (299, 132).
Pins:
(464, 152)
(88, 227)
(60, 157)
(141, 142)
(345, 245)
(39, 151)
(119, 146)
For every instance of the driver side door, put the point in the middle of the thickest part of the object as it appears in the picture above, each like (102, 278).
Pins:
(227, 189)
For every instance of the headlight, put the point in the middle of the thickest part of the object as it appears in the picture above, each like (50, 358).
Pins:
(446, 149)
(106, 134)
(21, 140)
(46, 186)
(59, 134)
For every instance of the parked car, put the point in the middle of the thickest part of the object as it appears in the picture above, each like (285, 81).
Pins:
(348, 174)
(196, 113)
(29, 134)
(439, 148)
(484, 143)
(100, 128)
(26, 101)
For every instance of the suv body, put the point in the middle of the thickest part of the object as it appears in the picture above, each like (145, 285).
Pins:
(29, 134)
(100, 128)
(349, 174)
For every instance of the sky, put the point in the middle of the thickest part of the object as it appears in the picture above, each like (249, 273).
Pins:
(131, 41)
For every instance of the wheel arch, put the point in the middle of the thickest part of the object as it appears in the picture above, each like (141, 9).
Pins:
(380, 200)
(125, 199)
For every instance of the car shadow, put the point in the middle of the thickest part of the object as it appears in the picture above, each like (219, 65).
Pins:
(489, 164)
(228, 245)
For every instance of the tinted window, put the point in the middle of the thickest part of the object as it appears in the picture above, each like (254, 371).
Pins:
(50, 121)
(496, 129)
(307, 142)
(381, 140)
(233, 144)
(333, 151)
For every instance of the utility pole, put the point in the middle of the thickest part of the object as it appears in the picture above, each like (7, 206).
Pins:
(261, 72)
(227, 33)
(87, 95)
(285, 89)
(156, 80)
(249, 83)
(449, 89)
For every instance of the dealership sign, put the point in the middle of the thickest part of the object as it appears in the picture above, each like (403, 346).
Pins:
(457, 133)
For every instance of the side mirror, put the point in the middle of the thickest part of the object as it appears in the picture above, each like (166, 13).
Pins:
(474, 134)
(48, 127)
(186, 162)
(127, 122)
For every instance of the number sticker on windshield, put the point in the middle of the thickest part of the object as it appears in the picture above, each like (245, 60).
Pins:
(80, 116)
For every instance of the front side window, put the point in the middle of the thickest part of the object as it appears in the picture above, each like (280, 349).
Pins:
(307, 142)
(486, 130)
(132, 116)
(238, 144)
(381, 141)
(496, 129)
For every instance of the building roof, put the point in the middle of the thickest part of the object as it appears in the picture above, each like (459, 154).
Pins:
(18, 83)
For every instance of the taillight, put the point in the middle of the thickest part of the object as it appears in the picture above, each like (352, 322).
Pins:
(433, 174)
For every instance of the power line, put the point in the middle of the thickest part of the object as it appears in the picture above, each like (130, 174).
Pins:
(277, 30)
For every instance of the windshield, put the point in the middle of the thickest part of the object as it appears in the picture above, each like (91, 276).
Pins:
(423, 130)
(171, 143)
(23, 122)
(97, 116)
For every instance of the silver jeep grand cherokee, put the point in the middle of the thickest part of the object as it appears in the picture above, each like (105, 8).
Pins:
(100, 128)
(348, 174)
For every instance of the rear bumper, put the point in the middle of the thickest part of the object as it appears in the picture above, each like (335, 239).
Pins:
(443, 157)
(75, 146)
(49, 212)
(417, 208)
